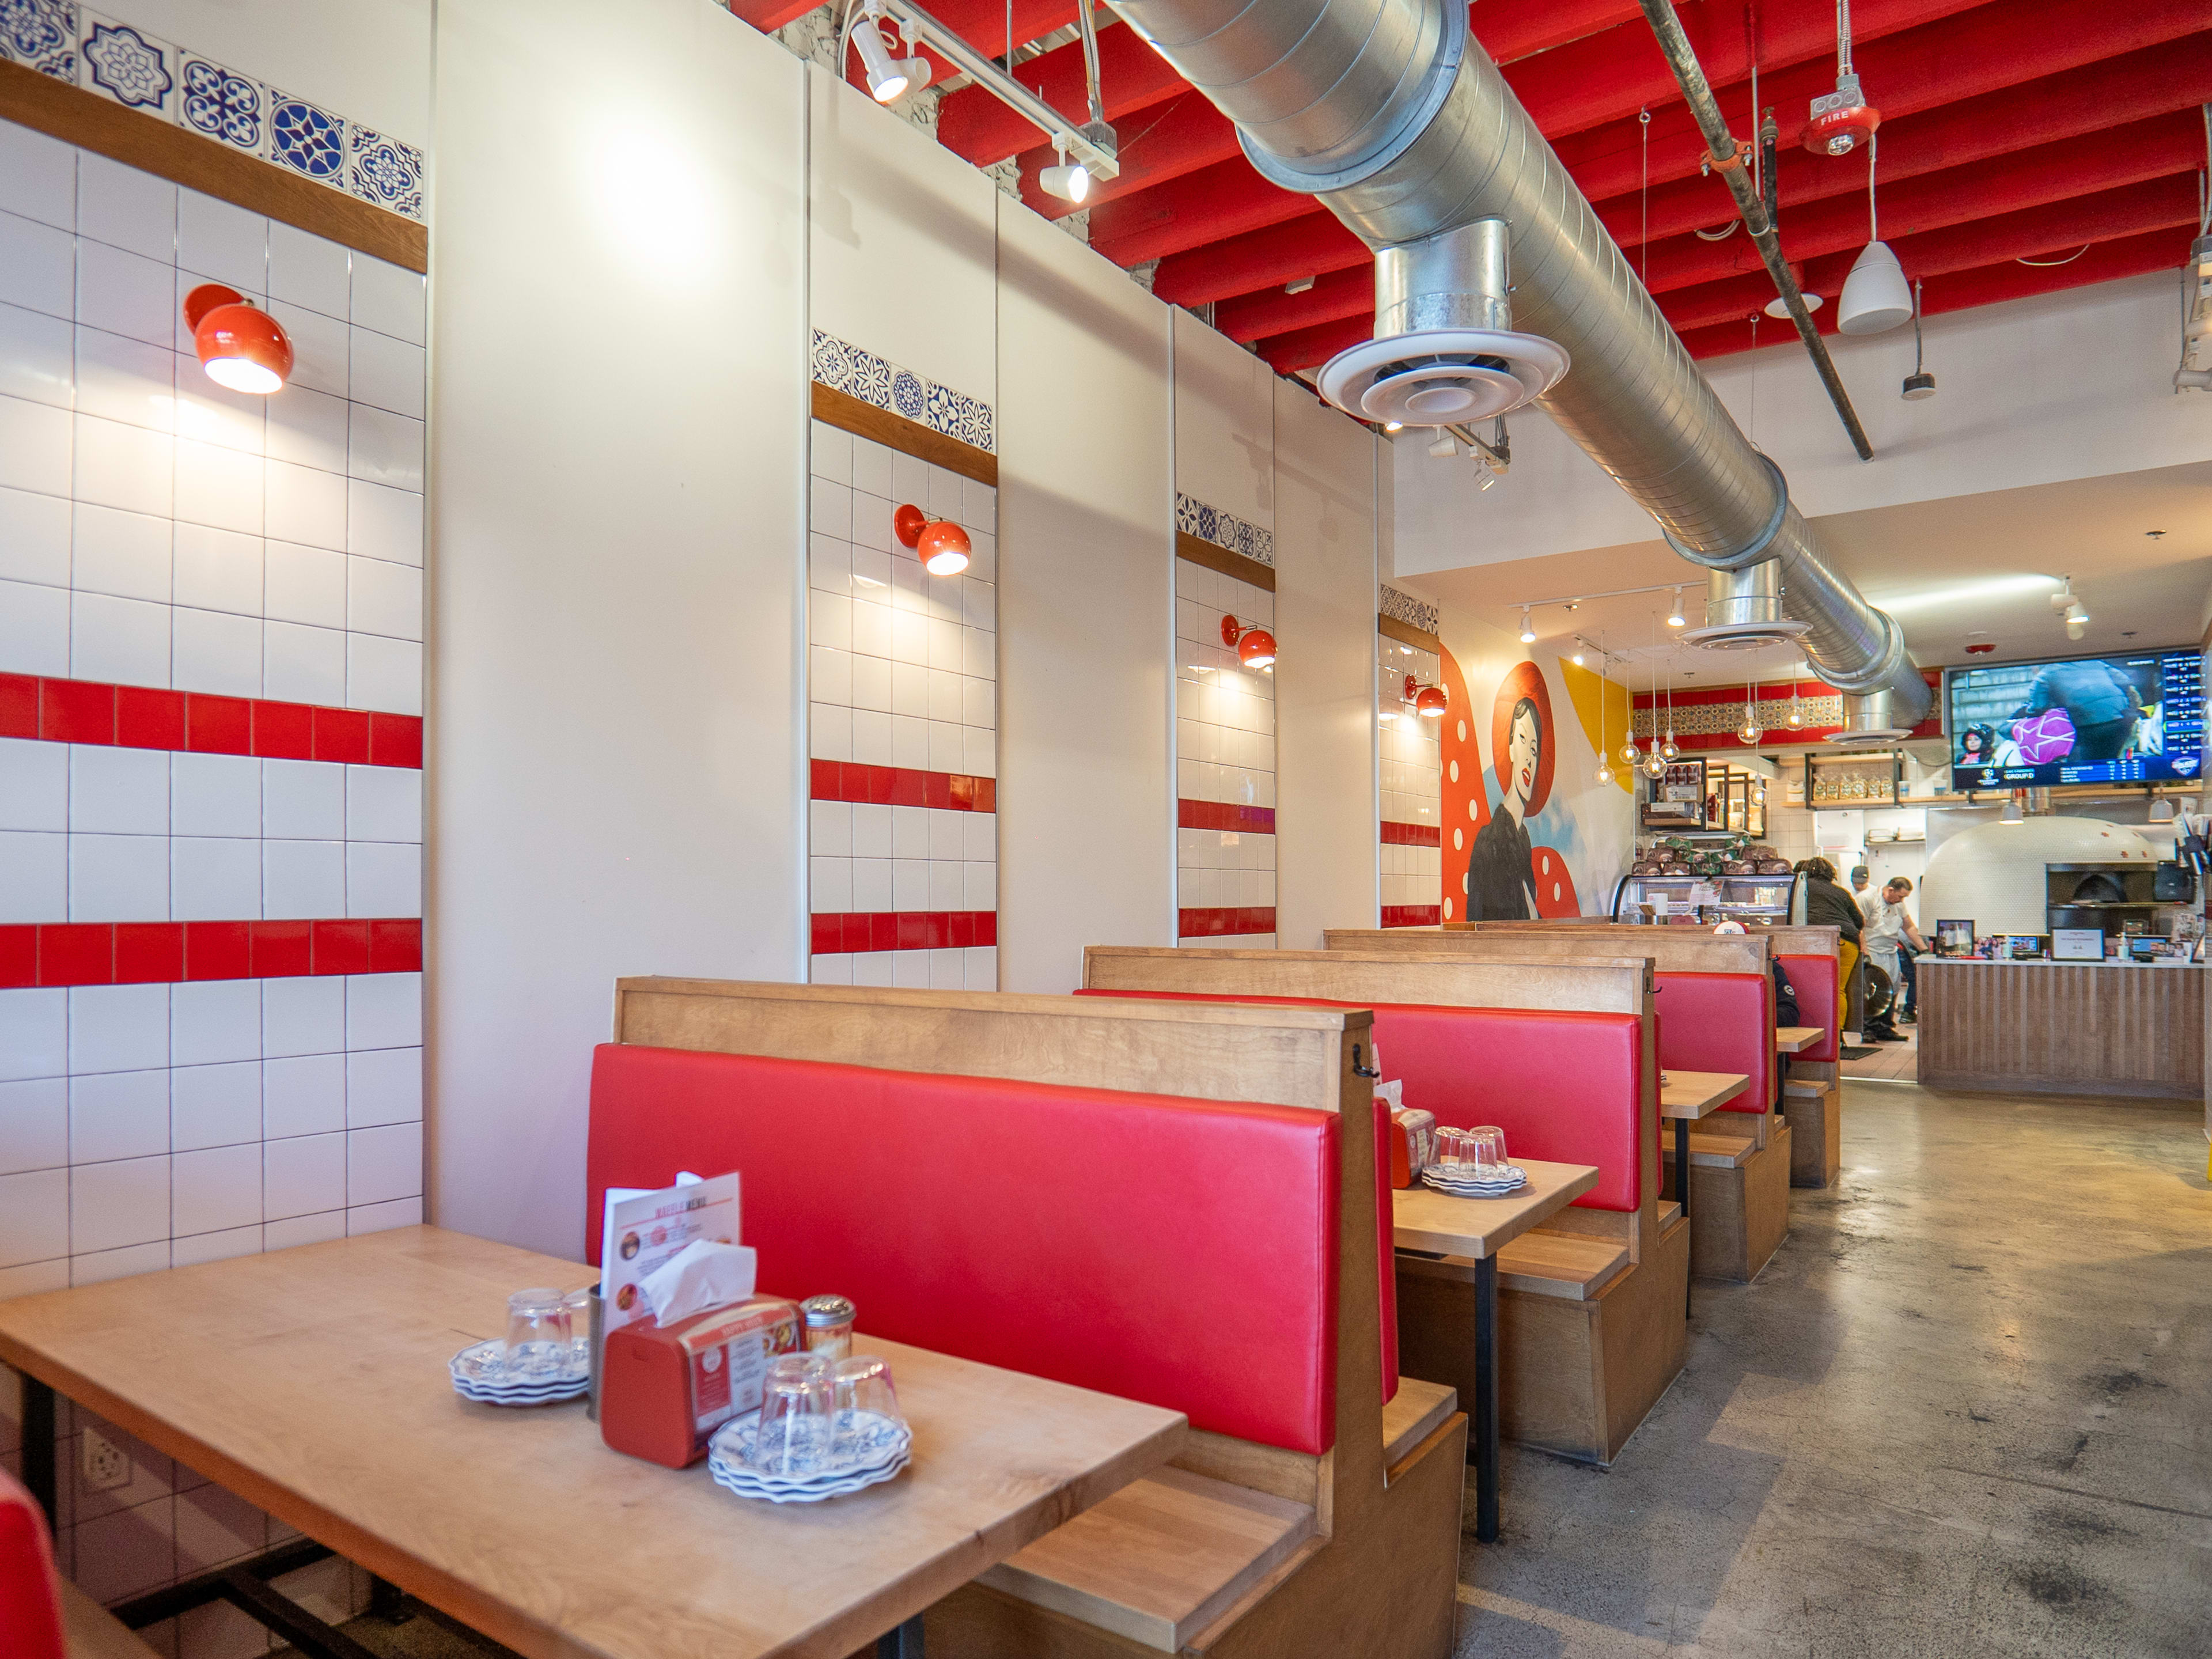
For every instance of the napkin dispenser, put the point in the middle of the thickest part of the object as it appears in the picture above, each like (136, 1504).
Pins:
(664, 1391)
(1413, 1144)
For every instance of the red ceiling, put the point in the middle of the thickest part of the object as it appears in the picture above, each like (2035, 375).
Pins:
(2009, 132)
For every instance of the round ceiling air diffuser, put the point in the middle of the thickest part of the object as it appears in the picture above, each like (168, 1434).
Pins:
(1441, 376)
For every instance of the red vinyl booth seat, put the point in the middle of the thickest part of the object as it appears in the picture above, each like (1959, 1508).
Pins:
(1174, 1251)
(1566, 1086)
(1813, 980)
(30, 1606)
(1720, 1022)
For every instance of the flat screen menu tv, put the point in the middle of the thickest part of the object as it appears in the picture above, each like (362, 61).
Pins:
(2135, 718)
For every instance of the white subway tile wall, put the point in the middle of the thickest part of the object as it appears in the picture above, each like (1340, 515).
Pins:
(158, 530)
(1411, 753)
(1224, 761)
(902, 673)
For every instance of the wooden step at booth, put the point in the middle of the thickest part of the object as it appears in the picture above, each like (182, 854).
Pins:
(1161, 1559)
(1417, 1411)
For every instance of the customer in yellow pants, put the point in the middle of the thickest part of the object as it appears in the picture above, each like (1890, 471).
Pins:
(1847, 960)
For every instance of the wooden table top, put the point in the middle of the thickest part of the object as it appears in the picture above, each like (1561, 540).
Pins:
(1795, 1039)
(1693, 1094)
(1427, 1219)
(313, 1383)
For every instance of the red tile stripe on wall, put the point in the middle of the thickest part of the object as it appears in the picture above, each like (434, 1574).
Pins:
(1411, 915)
(1250, 918)
(165, 952)
(1224, 814)
(837, 932)
(146, 717)
(902, 786)
(1412, 835)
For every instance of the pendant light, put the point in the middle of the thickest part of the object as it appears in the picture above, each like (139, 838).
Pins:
(1920, 383)
(1748, 734)
(1796, 718)
(1604, 773)
(1655, 765)
(1875, 297)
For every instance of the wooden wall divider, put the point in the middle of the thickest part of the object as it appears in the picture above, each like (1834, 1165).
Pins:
(185, 157)
(849, 414)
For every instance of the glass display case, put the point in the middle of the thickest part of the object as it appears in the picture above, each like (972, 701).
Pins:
(1705, 876)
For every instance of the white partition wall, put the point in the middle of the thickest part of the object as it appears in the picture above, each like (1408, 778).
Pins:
(619, 420)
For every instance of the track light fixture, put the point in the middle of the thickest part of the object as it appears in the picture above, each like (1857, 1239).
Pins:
(887, 78)
(1069, 180)
(1528, 631)
(1674, 616)
(1254, 647)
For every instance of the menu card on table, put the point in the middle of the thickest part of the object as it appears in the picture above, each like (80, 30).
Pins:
(644, 1229)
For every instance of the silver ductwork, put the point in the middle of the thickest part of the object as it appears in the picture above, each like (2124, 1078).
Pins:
(1394, 115)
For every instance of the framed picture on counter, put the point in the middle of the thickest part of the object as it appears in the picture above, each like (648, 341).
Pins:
(2077, 944)
(1955, 939)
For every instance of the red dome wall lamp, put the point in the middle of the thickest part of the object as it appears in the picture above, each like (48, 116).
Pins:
(1430, 701)
(943, 545)
(241, 346)
(1254, 647)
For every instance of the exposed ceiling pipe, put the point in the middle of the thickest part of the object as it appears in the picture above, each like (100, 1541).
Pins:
(1391, 114)
(1729, 154)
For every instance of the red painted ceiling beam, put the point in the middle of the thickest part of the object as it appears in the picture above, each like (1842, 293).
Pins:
(2002, 184)
(2051, 173)
(1314, 242)
(1217, 201)
(1978, 52)
(2162, 77)
(1982, 285)
(973, 124)
(1179, 136)
(1309, 348)
(769, 15)
(1510, 32)
(2056, 229)
(2133, 87)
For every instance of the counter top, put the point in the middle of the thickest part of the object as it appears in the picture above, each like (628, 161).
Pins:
(1927, 960)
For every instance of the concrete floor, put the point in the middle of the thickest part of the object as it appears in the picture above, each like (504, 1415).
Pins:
(1966, 1410)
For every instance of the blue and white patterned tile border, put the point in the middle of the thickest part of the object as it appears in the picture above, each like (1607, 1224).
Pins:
(160, 79)
(1210, 524)
(843, 366)
(1405, 608)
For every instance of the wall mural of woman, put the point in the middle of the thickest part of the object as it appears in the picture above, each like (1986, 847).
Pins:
(1497, 865)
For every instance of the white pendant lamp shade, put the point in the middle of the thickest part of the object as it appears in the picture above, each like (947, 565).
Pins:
(1876, 296)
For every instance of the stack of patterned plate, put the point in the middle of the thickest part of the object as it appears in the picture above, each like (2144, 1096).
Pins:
(870, 1449)
(1500, 1180)
(481, 1373)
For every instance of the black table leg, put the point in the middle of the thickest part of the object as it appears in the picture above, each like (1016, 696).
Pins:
(1482, 1446)
(38, 1472)
(1682, 1189)
(904, 1642)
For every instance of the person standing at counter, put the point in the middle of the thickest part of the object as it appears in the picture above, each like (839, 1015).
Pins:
(1821, 902)
(1888, 926)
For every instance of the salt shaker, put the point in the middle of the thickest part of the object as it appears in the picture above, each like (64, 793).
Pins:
(828, 1325)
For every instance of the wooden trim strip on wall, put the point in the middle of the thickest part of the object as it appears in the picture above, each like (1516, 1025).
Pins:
(849, 414)
(184, 157)
(1189, 547)
(1406, 634)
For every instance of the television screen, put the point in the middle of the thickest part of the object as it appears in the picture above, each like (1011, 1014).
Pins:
(2137, 717)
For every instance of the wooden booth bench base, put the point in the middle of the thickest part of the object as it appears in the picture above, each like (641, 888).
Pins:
(1587, 1340)
(1180, 1562)
(1815, 1110)
(1739, 1200)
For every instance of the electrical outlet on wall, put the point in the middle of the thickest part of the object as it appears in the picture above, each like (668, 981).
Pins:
(106, 1466)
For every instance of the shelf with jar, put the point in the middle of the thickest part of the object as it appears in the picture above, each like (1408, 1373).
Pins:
(1853, 779)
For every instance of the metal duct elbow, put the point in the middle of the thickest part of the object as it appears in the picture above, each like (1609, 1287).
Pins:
(1392, 115)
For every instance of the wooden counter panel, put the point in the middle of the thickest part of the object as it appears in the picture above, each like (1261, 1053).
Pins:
(2063, 1029)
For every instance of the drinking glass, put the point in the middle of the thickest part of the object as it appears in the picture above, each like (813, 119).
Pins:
(537, 1334)
(1450, 1149)
(1486, 1150)
(797, 1403)
(579, 1305)
(867, 1410)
